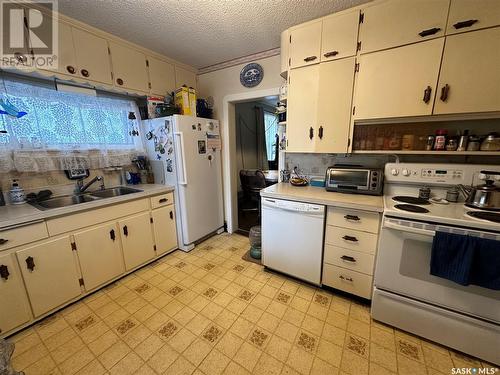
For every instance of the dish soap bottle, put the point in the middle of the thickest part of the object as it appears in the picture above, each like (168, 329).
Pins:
(16, 193)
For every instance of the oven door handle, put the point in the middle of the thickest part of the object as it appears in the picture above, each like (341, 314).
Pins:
(425, 232)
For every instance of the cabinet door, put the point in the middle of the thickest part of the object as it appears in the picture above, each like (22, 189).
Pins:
(305, 45)
(393, 83)
(467, 15)
(285, 43)
(395, 23)
(15, 309)
(49, 273)
(339, 36)
(92, 56)
(129, 68)
(137, 240)
(165, 229)
(470, 73)
(336, 79)
(184, 77)
(302, 109)
(161, 76)
(99, 254)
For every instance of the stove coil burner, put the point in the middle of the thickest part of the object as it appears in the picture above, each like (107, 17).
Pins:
(490, 216)
(411, 208)
(411, 200)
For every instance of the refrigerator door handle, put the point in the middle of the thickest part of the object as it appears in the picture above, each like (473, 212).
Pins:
(183, 159)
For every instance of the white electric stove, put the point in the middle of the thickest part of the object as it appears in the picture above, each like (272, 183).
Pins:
(406, 295)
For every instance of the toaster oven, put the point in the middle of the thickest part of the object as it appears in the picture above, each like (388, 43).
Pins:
(354, 180)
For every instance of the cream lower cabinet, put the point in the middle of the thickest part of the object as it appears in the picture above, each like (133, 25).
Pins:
(50, 274)
(99, 254)
(469, 80)
(137, 240)
(14, 309)
(165, 230)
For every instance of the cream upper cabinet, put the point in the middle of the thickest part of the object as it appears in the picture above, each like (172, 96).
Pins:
(15, 309)
(129, 68)
(470, 73)
(467, 15)
(395, 23)
(164, 229)
(67, 57)
(137, 240)
(161, 76)
(92, 56)
(99, 254)
(184, 77)
(336, 79)
(398, 82)
(305, 45)
(339, 36)
(302, 109)
(285, 44)
(50, 274)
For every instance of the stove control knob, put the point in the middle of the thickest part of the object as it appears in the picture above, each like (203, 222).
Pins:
(405, 172)
(394, 171)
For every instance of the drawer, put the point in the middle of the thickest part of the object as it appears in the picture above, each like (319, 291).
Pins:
(353, 219)
(349, 281)
(20, 235)
(162, 200)
(351, 259)
(351, 239)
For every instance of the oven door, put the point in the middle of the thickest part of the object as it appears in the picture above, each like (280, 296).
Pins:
(403, 267)
(345, 179)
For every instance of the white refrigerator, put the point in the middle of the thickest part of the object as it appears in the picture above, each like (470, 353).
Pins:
(185, 152)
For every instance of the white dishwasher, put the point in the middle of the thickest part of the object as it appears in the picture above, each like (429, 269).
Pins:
(292, 238)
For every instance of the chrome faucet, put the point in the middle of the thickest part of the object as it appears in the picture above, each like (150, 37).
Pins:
(81, 188)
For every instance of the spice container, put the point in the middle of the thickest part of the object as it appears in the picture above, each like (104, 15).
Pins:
(429, 143)
(440, 141)
(462, 142)
(452, 194)
(474, 143)
(408, 140)
(452, 144)
(491, 142)
(424, 192)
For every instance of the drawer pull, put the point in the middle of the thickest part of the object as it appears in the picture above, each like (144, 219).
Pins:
(462, 24)
(4, 272)
(30, 263)
(112, 235)
(428, 32)
(345, 278)
(3, 241)
(163, 200)
(310, 58)
(171, 215)
(347, 258)
(352, 217)
(350, 238)
(125, 230)
(332, 53)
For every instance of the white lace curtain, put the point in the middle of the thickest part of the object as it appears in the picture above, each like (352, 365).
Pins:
(65, 130)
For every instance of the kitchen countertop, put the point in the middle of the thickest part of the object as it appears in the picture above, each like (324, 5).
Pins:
(318, 195)
(19, 214)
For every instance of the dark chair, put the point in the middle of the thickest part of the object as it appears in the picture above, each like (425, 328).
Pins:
(252, 182)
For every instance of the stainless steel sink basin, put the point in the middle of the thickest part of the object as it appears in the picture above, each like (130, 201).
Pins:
(64, 201)
(114, 192)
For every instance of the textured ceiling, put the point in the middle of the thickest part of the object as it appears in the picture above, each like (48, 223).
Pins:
(201, 32)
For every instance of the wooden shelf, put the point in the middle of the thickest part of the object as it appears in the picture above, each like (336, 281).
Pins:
(423, 152)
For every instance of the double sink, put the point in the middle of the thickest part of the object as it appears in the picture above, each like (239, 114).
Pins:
(70, 200)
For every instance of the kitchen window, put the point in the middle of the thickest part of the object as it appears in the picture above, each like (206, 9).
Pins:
(65, 129)
(271, 128)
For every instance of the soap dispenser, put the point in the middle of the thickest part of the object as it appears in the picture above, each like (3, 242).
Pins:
(16, 193)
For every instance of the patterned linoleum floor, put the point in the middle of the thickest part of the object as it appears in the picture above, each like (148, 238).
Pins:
(209, 312)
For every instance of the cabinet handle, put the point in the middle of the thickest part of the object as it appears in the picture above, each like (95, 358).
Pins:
(310, 58)
(345, 278)
(163, 200)
(350, 238)
(332, 53)
(428, 32)
(352, 217)
(347, 258)
(3, 241)
(311, 132)
(85, 72)
(125, 230)
(462, 24)
(112, 235)
(444, 93)
(4, 272)
(320, 132)
(427, 94)
(71, 69)
(119, 81)
(30, 263)
(171, 215)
